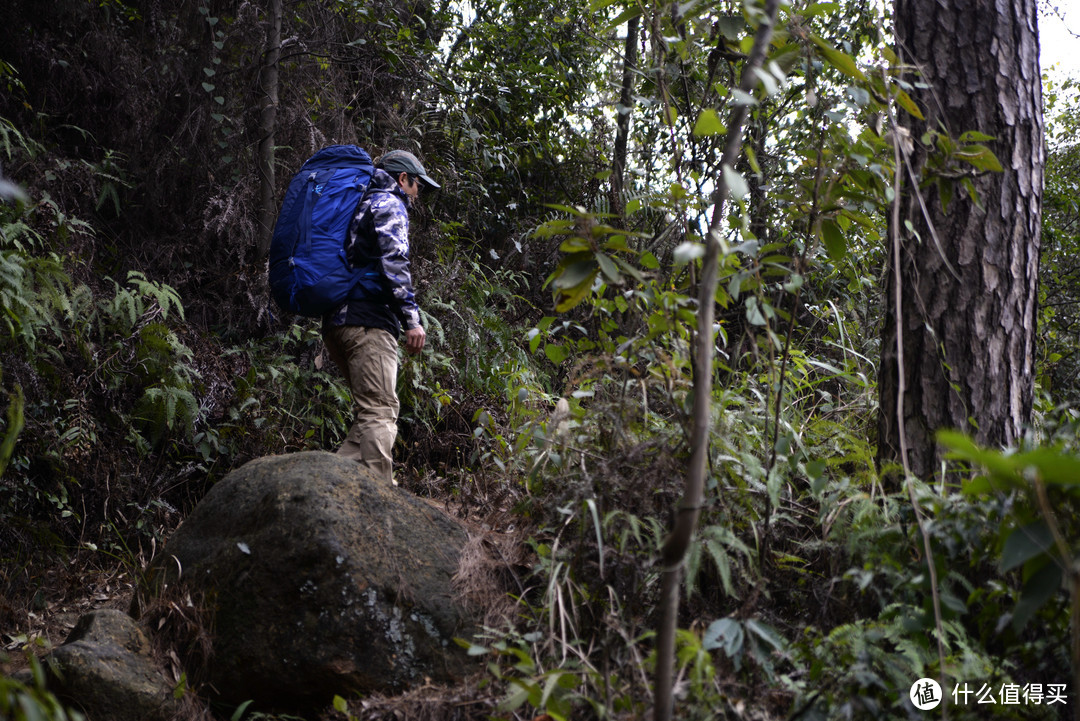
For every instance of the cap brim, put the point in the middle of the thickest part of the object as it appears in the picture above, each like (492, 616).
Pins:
(429, 182)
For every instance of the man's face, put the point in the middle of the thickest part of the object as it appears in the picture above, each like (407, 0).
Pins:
(410, 186)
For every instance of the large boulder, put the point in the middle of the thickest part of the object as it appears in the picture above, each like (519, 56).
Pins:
(107, 668)
(320, 580)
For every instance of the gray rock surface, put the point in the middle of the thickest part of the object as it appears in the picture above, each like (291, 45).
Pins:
(320, 580)
(106, 667)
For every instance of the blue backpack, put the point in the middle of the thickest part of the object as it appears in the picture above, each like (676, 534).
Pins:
(309, 273)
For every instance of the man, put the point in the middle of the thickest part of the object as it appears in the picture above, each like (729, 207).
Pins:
(361, 336)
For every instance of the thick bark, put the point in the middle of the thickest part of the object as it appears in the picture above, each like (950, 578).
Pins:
(967, 298)
(268, 85)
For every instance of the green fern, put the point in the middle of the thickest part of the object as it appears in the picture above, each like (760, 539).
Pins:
(30, 290)
(163, 410)
(164, 296)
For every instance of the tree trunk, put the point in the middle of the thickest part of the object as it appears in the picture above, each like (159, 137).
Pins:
(624, 109)
(268, 85)
(968, 273)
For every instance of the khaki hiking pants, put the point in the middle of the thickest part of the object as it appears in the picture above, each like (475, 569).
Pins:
(368, 358)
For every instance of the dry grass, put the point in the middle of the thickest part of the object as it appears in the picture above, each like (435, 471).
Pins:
(487, 575)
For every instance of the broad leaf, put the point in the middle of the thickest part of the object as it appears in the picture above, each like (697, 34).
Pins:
(1025, 543)
(981, 157)
(709, 123)
(1036, 592)
(840, 60)
(833, 238)
(905, 102)
(725, 633)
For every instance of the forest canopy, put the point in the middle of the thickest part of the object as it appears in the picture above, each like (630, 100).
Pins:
(752, 330)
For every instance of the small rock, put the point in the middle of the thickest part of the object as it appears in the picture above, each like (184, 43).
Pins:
(106, 668)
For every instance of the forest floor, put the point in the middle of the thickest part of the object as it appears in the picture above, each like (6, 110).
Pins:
(65, 594)
(65, 589)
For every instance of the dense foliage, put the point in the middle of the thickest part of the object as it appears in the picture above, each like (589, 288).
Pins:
(141, 360)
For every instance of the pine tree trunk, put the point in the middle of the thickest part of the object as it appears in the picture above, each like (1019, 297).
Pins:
(968, 299)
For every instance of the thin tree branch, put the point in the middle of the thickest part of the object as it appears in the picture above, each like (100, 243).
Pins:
(677, 543)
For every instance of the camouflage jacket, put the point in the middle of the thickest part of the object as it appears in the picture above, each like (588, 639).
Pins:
(379, 245)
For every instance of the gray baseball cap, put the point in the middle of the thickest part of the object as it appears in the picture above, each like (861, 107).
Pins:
(402, 161)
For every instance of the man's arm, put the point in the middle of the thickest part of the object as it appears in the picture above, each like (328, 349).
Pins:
(391, 222)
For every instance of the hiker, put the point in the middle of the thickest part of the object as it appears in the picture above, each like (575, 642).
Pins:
(362, 334)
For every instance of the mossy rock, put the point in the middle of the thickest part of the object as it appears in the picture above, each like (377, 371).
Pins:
(320, 580)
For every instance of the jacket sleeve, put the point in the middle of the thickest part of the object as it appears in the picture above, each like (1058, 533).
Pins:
(391, 223)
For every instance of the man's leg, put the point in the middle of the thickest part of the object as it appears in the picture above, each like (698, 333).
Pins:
(368, 359)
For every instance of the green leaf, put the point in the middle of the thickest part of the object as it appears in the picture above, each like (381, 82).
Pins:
(1054, 466)
(1039, 589)
(1003, 469)
(814, 469)
(180, 689)
(905, 102)
(732, 27)
(833, 238)
(557, 226)
(633, 11)
(1025, 543)
(575, 244)
(555, 353)
(609, 269)
(945, 193)
(841, 61)
(616, 242)
(952, 602)
(574, 280)
(518, 695)
(535, 337)
(709, 123)
(753, 312)
(972, 192)
(554, 704)
(981, 157)
(474, 650)
(725, 633)
(766, 633)
(629, 269)
(574, 272)
(819, 9)
(767, 80)
(239, 712)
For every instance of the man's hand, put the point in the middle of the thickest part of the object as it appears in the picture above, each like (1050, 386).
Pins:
(414, 340)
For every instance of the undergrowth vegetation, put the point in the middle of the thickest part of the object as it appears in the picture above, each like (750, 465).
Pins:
(553, 401)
